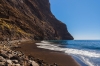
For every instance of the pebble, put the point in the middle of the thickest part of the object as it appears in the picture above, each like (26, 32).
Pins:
(2, 59)
(16, 65)
(2, 63)
(34, 63)
(9, 62)
(10, 57)
(15, 61)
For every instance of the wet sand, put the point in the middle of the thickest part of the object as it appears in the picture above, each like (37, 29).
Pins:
(50, 57)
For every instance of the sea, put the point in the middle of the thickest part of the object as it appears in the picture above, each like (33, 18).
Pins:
(85, 52)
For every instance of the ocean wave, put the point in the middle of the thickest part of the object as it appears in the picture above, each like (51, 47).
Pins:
(87, 56)
(47, 45)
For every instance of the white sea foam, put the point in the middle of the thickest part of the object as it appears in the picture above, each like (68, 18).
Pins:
(47, 45)
(83, 52)
(87, 61)
(85, 55)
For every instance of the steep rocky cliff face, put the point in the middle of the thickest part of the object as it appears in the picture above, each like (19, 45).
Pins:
(30, 19)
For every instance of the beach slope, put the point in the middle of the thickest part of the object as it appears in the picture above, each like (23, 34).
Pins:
(50, 57)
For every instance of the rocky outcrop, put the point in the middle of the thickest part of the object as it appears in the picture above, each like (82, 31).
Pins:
(30, 19)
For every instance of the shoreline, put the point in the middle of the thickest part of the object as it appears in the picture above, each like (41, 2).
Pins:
(48, 56)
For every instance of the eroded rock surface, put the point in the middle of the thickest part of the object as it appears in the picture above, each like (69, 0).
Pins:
(30, 19)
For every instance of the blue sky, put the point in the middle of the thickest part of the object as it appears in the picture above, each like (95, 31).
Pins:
(82, 17)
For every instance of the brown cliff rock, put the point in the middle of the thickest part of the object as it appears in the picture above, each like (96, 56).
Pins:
(30, 19)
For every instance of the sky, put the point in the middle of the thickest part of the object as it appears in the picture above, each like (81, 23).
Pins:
(82, 17)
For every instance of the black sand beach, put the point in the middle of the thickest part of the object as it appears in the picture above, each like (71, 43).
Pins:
(50, 57)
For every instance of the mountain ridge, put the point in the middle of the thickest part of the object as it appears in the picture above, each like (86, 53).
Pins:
(30, 19)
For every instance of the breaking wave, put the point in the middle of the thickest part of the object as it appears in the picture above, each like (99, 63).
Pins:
(89, 57)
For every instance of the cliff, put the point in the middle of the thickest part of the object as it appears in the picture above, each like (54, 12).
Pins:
(30, 19)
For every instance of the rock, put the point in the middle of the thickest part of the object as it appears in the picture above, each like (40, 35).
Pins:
(9, 62)
(4, 54)
(2, 63)
(30, 19)
(55, 64)
(2, 59)
(18, 43)
(33, 63)
(40, 62)
(16, 65)
(15, 58)
(10, 55)
(15, 61)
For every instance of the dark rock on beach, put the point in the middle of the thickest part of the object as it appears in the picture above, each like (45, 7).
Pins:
(30, 19)
(10, 57)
